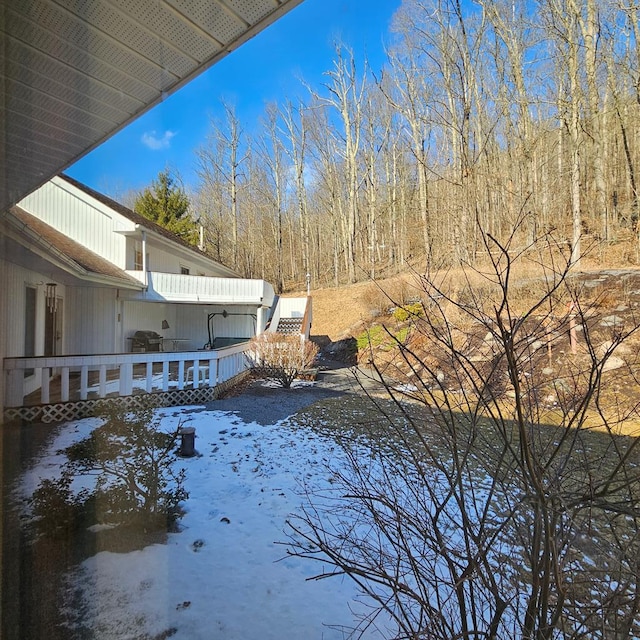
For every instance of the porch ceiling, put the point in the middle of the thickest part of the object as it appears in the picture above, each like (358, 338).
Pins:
(72, 72)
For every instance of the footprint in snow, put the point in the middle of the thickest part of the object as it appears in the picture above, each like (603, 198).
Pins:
(197, 545)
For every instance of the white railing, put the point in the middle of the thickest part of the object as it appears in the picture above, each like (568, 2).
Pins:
(162, 371)
(174, 287)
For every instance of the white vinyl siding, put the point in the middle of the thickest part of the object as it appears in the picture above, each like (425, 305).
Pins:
(80, 218)
(93, 323)
(15, 282)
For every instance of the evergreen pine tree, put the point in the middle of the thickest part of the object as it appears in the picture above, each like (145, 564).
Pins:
(166, 203)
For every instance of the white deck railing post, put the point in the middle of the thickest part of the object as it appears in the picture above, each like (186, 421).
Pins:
(165, 375)
(196, 373)
(126, 379)
(181, 374)
(103, 381)
(149, 381)
(44, 389)
(64, 384)
(15, 388)
(84, 382)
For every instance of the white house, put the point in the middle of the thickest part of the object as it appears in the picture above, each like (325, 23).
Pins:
(82, 276)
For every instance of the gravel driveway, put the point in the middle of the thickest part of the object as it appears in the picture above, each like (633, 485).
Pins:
(262, 402)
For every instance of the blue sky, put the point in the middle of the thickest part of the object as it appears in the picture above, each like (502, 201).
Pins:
(267, 68)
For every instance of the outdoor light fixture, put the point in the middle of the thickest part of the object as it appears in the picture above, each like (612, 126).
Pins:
(50, 296)
(165, 325)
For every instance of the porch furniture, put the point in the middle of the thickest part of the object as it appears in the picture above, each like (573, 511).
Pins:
(176, 342)
(203, 374)
(146, 341)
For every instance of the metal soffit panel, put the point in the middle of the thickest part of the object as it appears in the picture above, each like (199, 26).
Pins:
(73, 72)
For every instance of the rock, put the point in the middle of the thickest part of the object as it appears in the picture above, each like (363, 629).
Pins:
(613, 363)
(603, 347)
(611, 321)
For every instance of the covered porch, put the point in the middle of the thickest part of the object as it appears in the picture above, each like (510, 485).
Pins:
(190, 312)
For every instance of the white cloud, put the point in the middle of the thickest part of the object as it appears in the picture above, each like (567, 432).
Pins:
(155, 142)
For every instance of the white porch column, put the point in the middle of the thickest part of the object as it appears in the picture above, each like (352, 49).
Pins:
(145, 266)
(260, 320)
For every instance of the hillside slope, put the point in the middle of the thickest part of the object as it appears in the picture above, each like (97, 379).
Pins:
(341, 312)
(610, 299)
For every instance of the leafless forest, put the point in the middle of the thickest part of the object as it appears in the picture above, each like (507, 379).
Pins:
(487, 114)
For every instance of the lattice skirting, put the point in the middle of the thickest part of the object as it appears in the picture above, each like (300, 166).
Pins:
(223, 387)
(64, 411)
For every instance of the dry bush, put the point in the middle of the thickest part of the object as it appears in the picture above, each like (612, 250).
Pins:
(281, 357)
(376, 299)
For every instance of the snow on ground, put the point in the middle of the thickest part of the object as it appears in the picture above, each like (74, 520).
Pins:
(138, 383)
(223, 575)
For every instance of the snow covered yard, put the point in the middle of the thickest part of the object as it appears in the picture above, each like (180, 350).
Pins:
(224, 575)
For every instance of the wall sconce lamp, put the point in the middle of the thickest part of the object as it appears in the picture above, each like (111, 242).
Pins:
(165, 325)
(50, 296)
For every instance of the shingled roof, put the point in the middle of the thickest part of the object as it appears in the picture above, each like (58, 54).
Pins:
(82, 260)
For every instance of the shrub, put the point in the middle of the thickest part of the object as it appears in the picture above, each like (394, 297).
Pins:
(414, 310)
(281, 357)
(134, 462)
(475, 515)
(56, 509)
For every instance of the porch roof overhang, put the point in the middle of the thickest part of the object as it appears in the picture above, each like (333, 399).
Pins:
(33, 244)
(73, 73)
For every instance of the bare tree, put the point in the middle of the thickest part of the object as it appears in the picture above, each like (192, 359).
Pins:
(272, 152)
(222, 157)
(345, 95)
(295, 145)
(410, 96)
(493, 497)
